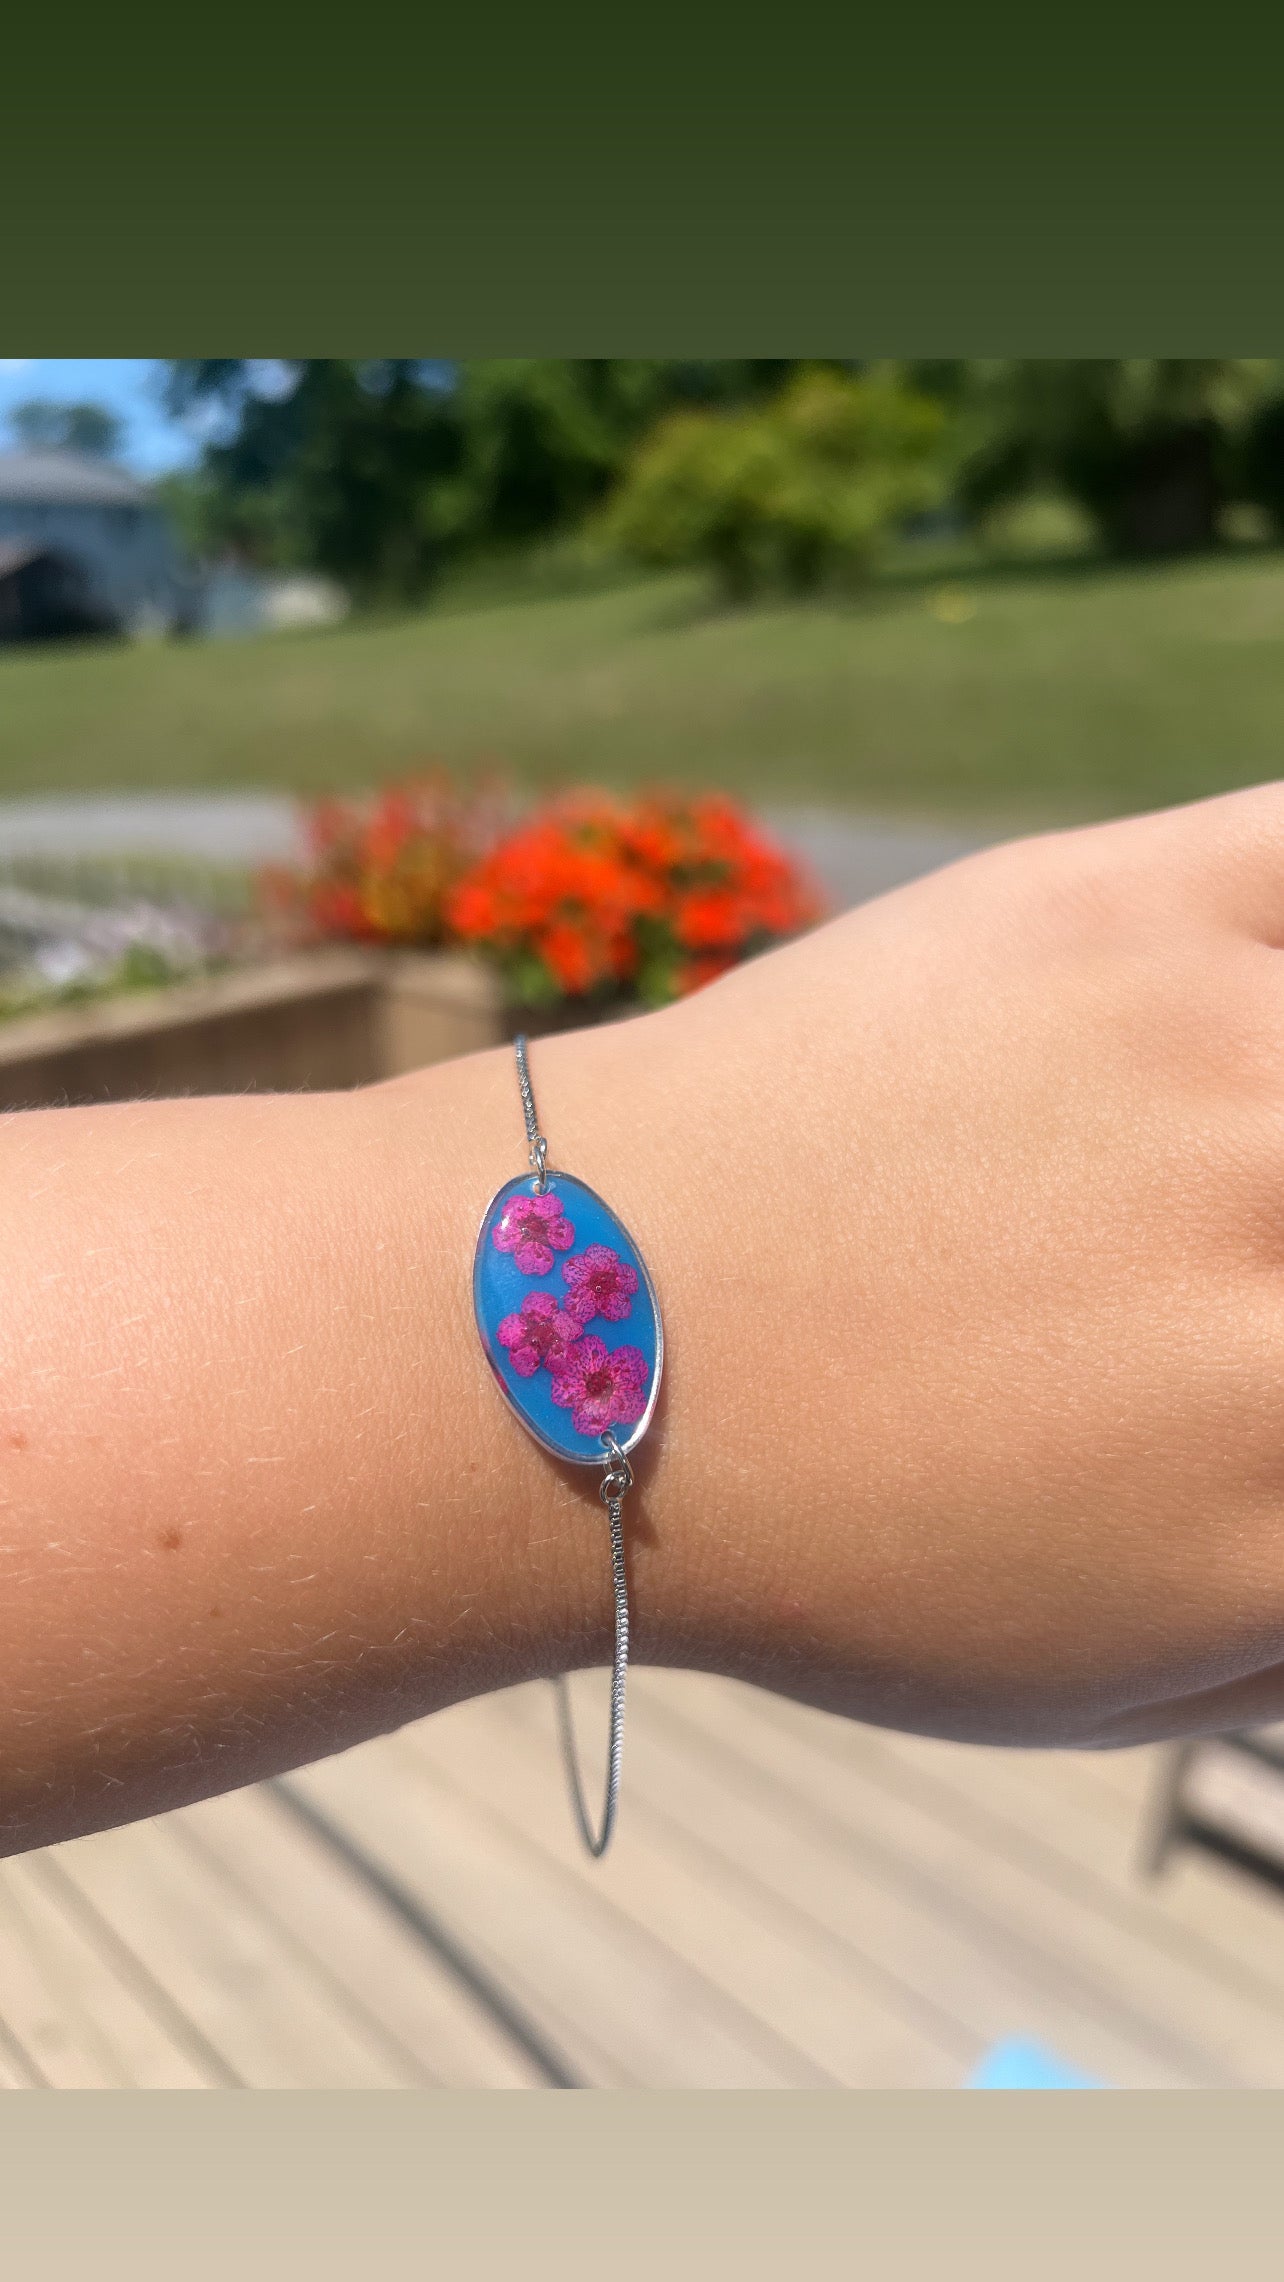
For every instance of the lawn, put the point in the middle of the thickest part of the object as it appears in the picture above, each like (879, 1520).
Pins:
(1010, 694)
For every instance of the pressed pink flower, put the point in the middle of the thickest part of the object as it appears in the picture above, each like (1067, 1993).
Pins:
(600, 1282)
(532, 1228)
(601, 1386)
(538, 1333)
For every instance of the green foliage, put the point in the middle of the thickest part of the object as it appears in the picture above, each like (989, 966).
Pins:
(67, 427)
(1262, 461)
(1146, 446)
(216, 523)
(385, 473)
(545, 438)
(797, 494)
(346, 471)
(380, 473)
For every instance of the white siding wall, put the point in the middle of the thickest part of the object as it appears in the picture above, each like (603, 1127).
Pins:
(127, 552)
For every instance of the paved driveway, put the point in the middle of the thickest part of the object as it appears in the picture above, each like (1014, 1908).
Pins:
(854, 856)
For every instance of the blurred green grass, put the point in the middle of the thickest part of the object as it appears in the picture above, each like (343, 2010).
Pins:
(955, 688)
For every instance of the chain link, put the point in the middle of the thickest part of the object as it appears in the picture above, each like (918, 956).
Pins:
(616, 1482)
(598, 1841)
(537, 1145)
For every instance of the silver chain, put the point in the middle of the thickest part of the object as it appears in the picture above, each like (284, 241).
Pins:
(538, 1146)
(616, 1482)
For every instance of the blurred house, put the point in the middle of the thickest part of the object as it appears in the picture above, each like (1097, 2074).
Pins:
(87, 549)
(43, 592)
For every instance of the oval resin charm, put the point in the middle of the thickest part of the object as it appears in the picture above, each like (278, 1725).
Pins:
(568, 1317)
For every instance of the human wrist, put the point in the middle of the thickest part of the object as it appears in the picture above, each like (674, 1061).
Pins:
(525, 1531)
(625, 1109)
(602, 1096)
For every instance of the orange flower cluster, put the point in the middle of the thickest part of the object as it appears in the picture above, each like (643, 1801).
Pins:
(382, 871)
(595, 897)
(588, 898)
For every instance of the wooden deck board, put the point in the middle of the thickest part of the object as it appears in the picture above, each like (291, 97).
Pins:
(85, 2020)
(844, 2015)
(375, 1967)
(1104, 1944)
(235, 1972)
(791, 1901)
(624, 2008)
(1097, 1953)
(876, 1929)
(1086, 1838)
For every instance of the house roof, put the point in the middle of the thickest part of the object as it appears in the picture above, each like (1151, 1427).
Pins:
(67, 479)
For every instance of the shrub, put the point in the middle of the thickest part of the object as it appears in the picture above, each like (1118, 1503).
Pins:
(1146, 446)
(382, 870)
(596, 899)
(796, 494)
(1263, 462)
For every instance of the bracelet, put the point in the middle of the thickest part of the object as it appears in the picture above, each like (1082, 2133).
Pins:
(555, 1272)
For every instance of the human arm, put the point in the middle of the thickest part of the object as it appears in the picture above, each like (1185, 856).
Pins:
(967, 1218)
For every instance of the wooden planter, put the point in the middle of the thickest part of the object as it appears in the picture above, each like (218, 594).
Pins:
(326, 1019)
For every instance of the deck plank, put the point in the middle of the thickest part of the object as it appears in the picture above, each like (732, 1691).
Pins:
(619, 2003)
(116, 2026)
(1088, 1837)
(236, 1973)
(837, 2023)
(851, 2018)
(1213, 2034)
(837, 1900)
(792, 1900)
(51, 2037)
(375, 1968)
(837, 1896)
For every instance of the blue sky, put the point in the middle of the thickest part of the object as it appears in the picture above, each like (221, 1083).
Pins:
(128, 386)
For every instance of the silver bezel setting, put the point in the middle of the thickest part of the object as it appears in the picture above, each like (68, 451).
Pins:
(567, 1457)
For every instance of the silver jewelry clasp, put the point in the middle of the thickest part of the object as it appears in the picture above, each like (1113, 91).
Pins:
(617, 1480)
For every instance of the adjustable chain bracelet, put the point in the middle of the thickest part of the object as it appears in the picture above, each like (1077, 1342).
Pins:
(571, 1327)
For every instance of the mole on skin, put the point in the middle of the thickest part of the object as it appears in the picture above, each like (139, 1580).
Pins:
(170, 1539)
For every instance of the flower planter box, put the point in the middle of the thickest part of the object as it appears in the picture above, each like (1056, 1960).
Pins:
(297, 1023)
(433, 1006)
(437, 1004)
(325, 1019)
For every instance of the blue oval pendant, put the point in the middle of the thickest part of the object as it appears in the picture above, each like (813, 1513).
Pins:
(568, 1317)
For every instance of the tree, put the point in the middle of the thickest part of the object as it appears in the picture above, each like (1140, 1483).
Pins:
(546, 438)
(1262, 461)
(347, 470)
(378, 472)
(46, 426)
(1147, 445)
(797, 493)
